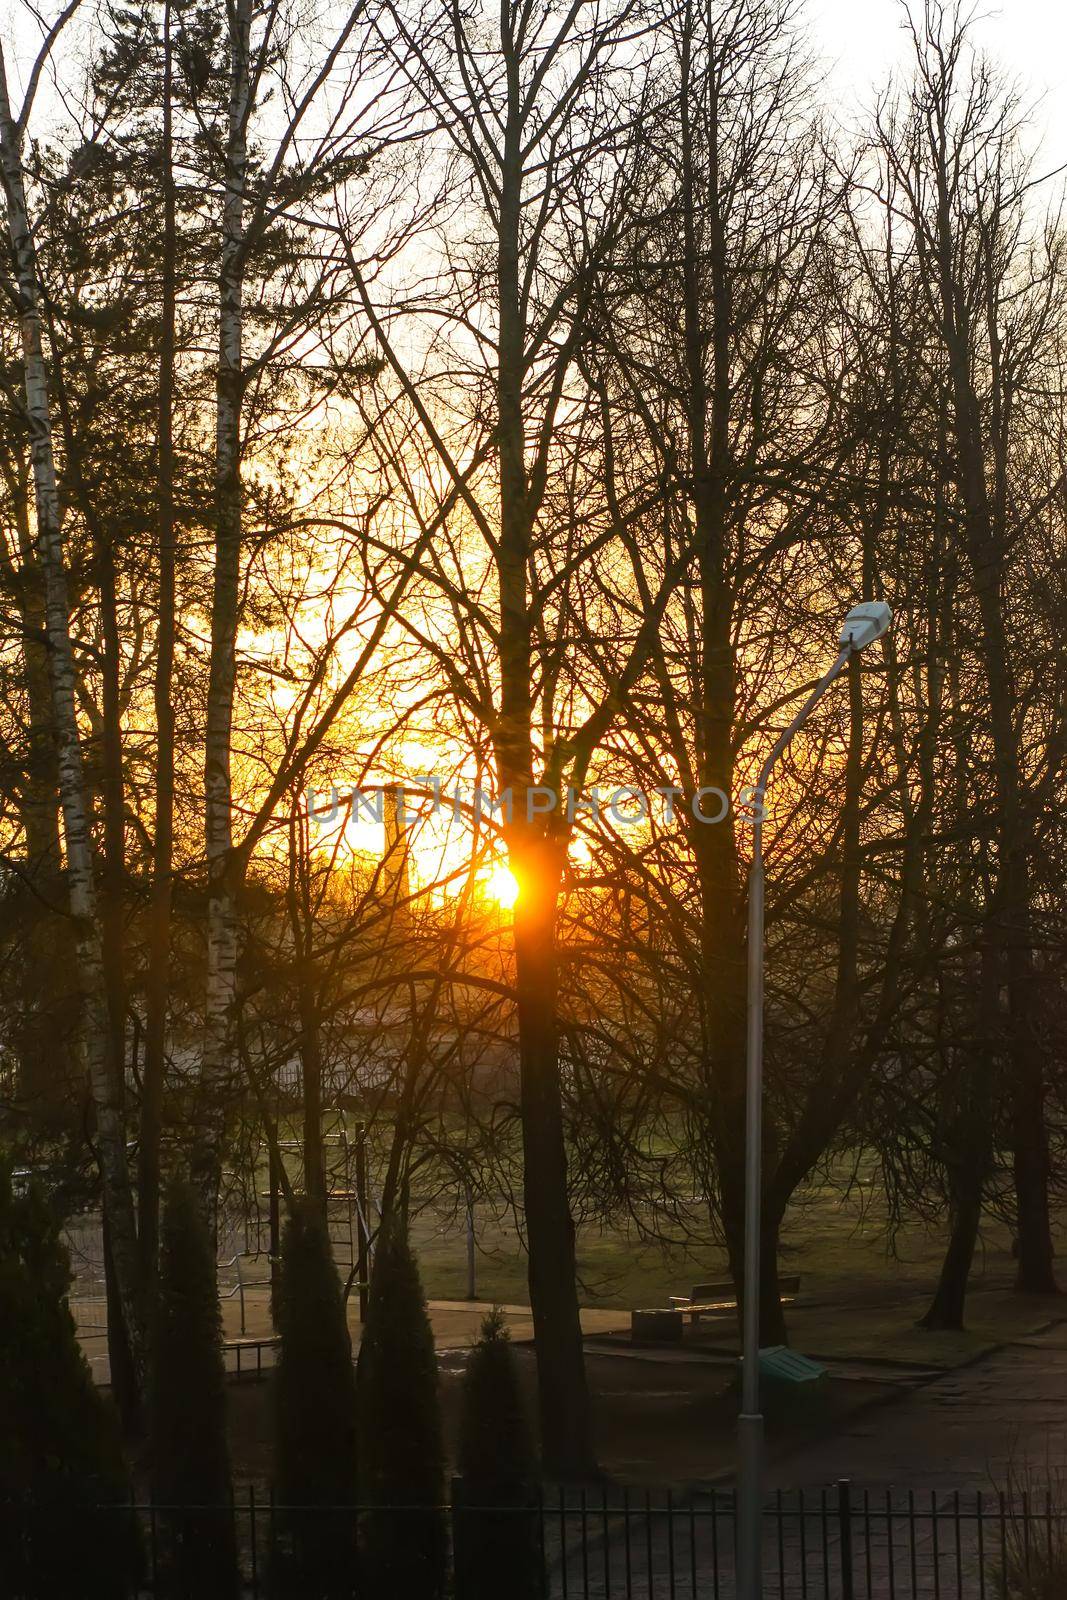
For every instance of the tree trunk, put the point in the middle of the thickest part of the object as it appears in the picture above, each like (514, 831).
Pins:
(48, 1081)
(120, 1359)
(310, 1047)
(114, 806)
(157, 982)
(311, 1078)
(121, 1356)
(217, 1065)
(1009, 912)
(723, 967)
(562, 1392)
(772, 1324)
(1009, 915)
(969, 1161)
(947, 1307)
(103, 1071)
(969, 1142)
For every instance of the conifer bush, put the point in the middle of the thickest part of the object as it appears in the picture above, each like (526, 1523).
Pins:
(190, 1460)
(65, 1526)
(498, 1547)
(314, 1550)
(401, 1450)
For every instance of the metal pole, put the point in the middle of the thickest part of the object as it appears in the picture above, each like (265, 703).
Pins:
(749, 1493)
(472, 1257)
(362, 1219)
(844, 1525)
(275, 1224)
(750, 1422)
(241, 1290)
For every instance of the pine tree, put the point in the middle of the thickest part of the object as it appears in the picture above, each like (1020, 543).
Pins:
(189, 1454)
(401, 1453)
(64, 1526)
(498, 1548)
(314, 1421)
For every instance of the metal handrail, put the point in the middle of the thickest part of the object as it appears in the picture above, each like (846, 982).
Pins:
(242, 1284)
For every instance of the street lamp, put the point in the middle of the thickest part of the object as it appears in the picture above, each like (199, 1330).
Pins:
(861, 627)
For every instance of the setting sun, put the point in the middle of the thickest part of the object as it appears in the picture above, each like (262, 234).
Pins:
(626, 439)
(502, 886)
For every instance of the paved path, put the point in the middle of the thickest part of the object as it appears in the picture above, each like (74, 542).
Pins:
(455, 1323)
(953, 1444)
(1000, 1423)
(975, 1428)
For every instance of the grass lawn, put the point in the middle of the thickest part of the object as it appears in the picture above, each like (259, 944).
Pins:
(857, 1299)
(663, 1422)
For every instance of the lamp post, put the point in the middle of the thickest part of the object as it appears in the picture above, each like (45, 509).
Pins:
(861, 627)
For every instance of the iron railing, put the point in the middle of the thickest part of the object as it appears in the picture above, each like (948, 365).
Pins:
(837, 1543)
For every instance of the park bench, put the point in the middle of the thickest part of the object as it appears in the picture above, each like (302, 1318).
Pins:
(663, 1324)
(714, 1299)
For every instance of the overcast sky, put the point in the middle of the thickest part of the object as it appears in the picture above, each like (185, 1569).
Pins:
(862, 40)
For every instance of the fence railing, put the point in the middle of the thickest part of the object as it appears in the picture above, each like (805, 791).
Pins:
(837, 1543)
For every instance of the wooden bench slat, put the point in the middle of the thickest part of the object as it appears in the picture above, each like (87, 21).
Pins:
(706, 1300)
(705, 1293)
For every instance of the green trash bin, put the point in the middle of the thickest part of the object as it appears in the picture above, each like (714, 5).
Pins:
(790, 1384)
(779, 1364)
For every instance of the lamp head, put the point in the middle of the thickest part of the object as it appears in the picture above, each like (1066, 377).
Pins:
(864, 624)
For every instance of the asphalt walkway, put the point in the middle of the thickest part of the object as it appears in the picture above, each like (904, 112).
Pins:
(1000, 1421)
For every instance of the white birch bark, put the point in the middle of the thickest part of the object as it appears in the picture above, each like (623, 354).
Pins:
(104, 1072)
(218, 784)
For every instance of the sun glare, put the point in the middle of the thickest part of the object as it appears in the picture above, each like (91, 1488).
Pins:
(502, 886)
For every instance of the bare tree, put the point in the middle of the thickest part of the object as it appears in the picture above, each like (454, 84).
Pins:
(544, 152)
(105, 1072)
(992, 280)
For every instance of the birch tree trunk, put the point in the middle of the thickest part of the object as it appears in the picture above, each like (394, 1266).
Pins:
(104, 1072)
(158, 980)
(47, 1070)
(218, 782)
(309, 1011)
(40, 813)
(121, 1358)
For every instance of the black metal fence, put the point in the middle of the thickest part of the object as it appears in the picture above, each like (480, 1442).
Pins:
(838, 1543)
